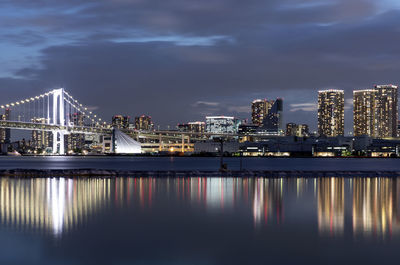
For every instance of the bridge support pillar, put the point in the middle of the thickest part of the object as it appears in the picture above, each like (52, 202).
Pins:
(58, 143)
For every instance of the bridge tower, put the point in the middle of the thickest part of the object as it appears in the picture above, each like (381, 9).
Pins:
(58, 119)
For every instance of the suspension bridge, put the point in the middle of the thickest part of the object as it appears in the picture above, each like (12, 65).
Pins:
(60, 114)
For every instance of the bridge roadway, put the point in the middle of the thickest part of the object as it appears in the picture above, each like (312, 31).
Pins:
(53, 127)
(173, 135)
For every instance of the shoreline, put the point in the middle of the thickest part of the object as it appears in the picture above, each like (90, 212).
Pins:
(90, 172)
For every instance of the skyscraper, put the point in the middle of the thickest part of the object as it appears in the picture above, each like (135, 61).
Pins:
(387, 110)
(375, 111)
(364, 111)
(260, 108)
(331, 112)
(273, 121)
(120, 122)
(144, 123)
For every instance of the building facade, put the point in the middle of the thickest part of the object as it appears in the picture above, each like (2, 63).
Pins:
(195, 126)
(291, 129)
(76, 141)
(331, 112)
(375, 112)
(364, 111)
(221, 124)
(387, 111)
(259, 110)
(120, 121)
(5, 134)
(144, 123)
(41, 139)
(299, 130)
(273, 121)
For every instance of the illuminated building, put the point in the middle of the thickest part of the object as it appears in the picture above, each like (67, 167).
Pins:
(120, 122)
(386, 111)
(76, 141)
(5, 134)
(41, 139)
(375, 111)
(196, 126)
(272, 123)
(222, 124)
(302, 130)
(144, 123)
(259, 110)
(291, 129)
(331, 112)
(364, 109)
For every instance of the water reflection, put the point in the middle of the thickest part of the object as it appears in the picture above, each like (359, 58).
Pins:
(331, 206)
(55, 206)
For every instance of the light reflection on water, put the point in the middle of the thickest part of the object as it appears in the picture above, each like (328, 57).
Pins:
(368, 207)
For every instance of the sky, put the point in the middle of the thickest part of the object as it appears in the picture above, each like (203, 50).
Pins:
(180, 60)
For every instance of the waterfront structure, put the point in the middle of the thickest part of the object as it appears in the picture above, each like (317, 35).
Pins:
(331, 112)
(120, 121)
(259, 110)
(144, 123)
(5, 133)
(222, 124)
(375, 111)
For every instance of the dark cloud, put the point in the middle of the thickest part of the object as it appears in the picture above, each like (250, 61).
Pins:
(171, 59)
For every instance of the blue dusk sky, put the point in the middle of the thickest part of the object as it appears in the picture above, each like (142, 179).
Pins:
(180, 60)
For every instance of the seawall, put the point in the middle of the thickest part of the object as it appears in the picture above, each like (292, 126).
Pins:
(89, 172)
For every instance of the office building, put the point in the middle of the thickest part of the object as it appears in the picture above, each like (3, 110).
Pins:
(120, 121)
(375, 112)
(144, 123)
(331, 112)
(222, 124)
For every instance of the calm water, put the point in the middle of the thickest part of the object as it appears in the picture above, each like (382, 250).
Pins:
(199, 221)
(199, 163)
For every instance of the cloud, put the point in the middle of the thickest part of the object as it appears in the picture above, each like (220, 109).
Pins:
(178, 59)
(304, 107)
(206, 103)
(240, 109)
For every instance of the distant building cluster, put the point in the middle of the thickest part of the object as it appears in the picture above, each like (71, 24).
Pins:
(375, 127)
